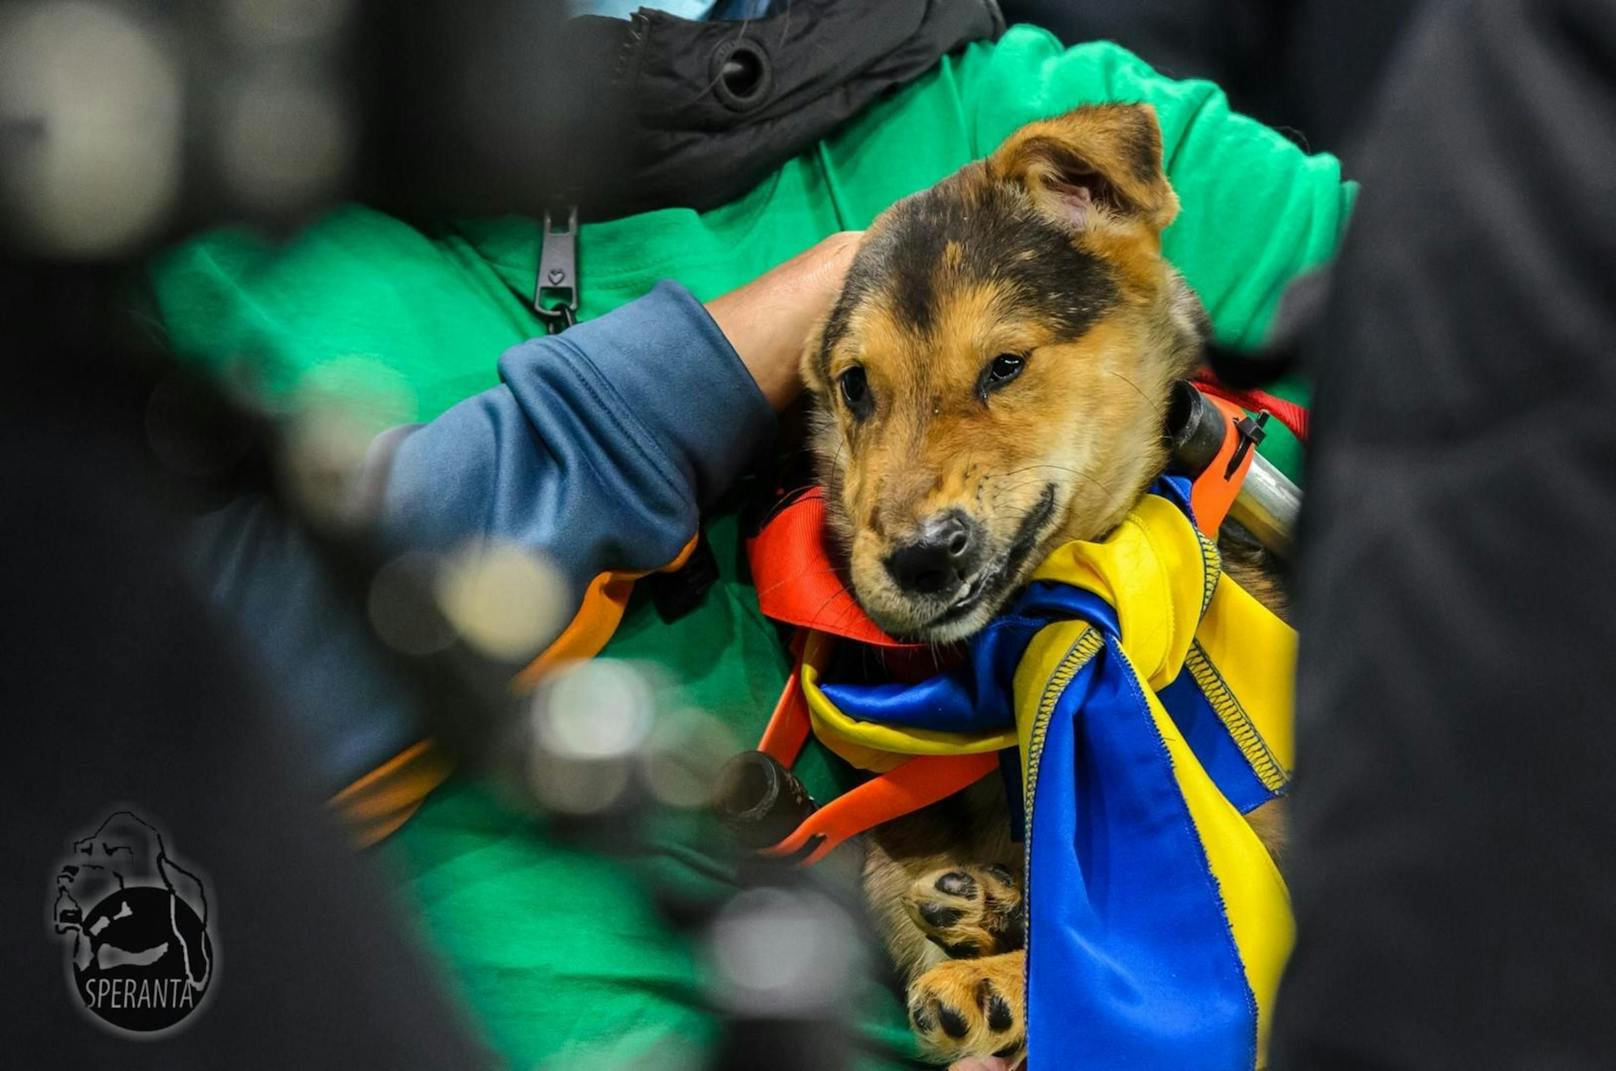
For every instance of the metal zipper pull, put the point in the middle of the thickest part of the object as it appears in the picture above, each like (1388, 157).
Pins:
(555, 291)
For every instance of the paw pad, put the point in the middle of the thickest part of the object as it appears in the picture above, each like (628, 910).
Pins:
(964, 1008)
(968, 911)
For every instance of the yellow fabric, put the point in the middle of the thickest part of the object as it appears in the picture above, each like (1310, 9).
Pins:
(1159, 573)
(872, 746)
(1154, 570)
(1253, 653)
(1255, 898)
(1055, 655)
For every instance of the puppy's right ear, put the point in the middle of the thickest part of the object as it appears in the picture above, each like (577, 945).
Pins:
(1094, 168)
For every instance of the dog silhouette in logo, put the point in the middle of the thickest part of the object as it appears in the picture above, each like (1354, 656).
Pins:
(141, 954)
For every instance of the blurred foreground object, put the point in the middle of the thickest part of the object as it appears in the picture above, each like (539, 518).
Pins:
(1306, 67)
(120, 687)
(268, 111)
(1453, 867)
(123, 122)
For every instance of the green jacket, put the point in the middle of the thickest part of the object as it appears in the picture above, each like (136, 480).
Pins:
(559, 954)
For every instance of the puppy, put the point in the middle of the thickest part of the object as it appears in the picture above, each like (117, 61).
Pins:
(991, 384)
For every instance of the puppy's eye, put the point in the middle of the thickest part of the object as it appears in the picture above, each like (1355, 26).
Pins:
(1001, 370)
(856, 391)
(1005, 367)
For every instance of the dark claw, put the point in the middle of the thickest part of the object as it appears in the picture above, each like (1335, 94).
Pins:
(995, 1007)
(1000, 1017)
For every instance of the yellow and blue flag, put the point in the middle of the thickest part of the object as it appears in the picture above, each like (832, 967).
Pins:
(1150, 697)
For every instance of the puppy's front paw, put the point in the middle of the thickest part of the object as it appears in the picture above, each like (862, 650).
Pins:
(968, 911)
(971, 1007)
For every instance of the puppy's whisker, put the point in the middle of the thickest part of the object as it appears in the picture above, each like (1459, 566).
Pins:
(787, 498)
(1030, 468)
(1080, 473)
(1153, 403)
(795, 578)
(839, 593)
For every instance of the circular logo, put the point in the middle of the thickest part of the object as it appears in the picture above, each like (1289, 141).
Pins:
(141, 956)
(139, 976)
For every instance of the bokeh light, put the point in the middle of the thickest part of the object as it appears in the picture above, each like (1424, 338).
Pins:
(404, 617)
(786, 953)
(589, 725)
(92, 102)
(503, 600)
(683, 756)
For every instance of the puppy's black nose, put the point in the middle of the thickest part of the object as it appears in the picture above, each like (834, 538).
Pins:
(946, 550)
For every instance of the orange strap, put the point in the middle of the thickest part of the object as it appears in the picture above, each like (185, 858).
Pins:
(386, 797)
(789, 727)
(918, 783)
(599, 613)
(1215, 489)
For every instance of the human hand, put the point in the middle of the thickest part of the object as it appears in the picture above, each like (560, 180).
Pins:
(768, 319)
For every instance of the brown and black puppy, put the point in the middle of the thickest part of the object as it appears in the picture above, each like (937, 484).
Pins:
(992, 383)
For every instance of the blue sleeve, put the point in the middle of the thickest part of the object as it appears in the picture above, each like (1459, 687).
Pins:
(597, 451)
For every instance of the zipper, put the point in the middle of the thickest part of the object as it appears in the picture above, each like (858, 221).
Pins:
(555, 290)
(1078, 655)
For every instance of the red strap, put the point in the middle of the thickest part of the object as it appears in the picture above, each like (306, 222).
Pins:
(798, 583)
(918, 783)
(1293, 416)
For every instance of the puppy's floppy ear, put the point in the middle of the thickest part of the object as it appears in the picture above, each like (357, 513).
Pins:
(1095, 167)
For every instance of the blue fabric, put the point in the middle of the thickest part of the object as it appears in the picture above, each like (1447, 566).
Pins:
(1213, 745)
(315, 654)
(1176, 489)
(596, 452)
(974, 697)
(1130, 960)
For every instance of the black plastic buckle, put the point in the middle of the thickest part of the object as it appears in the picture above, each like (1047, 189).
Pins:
(555, 292)
(677, 593)
(1251, 432)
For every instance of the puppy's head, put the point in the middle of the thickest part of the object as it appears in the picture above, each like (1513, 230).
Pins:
(993, 378)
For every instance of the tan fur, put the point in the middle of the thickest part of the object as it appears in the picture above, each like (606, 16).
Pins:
(966, 986)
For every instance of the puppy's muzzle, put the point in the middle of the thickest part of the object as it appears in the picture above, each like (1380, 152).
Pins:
(944, 554)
